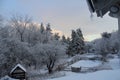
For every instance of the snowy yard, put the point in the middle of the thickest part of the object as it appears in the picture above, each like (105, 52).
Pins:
(55, 41)
(98, 75)
(112, 74)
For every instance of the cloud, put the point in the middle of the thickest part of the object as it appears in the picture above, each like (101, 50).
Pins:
(91, 37)
(57, 31)
(64, 17)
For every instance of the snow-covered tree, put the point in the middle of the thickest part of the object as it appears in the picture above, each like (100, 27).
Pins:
(56, 36)
(79, 32)
(1, 21)
(20, 23)
(34, 35)
(4, 32)
(48, 34)
(89, 47)
(71, 48)
(64, 40)
(25, 42)
(114, 41)
(103, 47)
(15, 52)
(76, 46)
(42, 28)
(48, 54)
(68, 40)
(81, 44)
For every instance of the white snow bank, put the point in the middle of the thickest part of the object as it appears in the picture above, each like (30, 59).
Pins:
(114, 63)
(90, 56)
(7, 78)
(99, 75)
(86, 63)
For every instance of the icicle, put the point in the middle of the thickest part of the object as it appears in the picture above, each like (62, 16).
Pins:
(91, 16)
(101, 15)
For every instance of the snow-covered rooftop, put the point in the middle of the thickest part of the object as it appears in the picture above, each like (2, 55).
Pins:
(20, 66)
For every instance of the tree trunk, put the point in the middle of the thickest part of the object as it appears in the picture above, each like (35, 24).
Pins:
(50, 71)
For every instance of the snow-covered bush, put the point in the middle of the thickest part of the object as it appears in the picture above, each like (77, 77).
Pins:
(103, 46)
(13, 52)
(25, 42)
(48, 54)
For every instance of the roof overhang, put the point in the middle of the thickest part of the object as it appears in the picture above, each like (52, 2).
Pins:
(101, 7)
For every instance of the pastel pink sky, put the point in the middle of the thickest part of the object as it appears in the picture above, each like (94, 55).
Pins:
(63, 15)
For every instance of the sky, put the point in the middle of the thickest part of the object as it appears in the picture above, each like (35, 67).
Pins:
(63, 15)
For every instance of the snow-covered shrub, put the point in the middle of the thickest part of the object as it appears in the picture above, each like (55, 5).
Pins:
(103, 46)
(14, 52)
(48, 54)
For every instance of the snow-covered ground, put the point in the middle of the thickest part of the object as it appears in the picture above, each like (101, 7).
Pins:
(98, 75)
(86, 63)
(112, 74)
(7, 78)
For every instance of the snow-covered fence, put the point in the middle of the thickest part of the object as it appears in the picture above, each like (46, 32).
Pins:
(80, 69)
(76, 69)
(60, 67)
(90, 69)
(63, 66)
(93, 69)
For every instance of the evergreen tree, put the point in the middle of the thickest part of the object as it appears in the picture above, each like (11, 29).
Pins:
(56, 36)
(106, 35)
(80, 40)
(64, 40)
(71, 47)
(76, 45)
(48, 28)
(68, 40)
(79, 32)
(48, 34)
(42, 29)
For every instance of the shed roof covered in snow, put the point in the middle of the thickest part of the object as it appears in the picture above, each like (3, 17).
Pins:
(18, 72)
(20, 66)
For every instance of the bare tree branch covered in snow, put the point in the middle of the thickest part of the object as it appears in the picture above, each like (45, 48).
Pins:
(14, 52)
(49, 53)
(33, 45)
(20, 23)
(103, 47)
